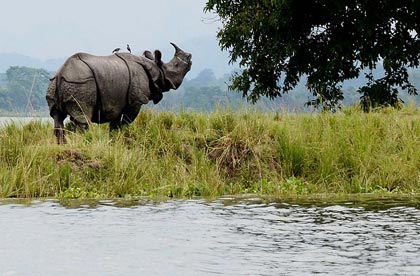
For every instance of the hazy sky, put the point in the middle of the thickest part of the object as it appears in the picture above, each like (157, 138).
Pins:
(58, 28)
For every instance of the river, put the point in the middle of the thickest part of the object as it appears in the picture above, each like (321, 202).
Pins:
(22, 120)
(228, 236)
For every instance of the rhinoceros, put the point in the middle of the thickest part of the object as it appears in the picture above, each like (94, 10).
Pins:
(111, 89)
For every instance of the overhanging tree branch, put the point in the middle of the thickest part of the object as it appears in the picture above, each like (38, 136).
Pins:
(277, 42)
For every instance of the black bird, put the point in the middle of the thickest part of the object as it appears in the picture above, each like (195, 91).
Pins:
(116, 50)
(128, 48)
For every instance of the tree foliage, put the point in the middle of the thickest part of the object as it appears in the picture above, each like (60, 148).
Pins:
(276, 42)
(24, 89)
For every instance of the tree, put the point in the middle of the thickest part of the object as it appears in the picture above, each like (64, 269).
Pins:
(25, 89)
(277, 42)
(205, 78)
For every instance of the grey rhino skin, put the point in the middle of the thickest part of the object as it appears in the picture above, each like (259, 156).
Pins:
(102, 89)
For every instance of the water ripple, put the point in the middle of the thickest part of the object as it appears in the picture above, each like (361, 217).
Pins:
(229, 236)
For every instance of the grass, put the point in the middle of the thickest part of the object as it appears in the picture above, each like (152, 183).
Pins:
(163, 154)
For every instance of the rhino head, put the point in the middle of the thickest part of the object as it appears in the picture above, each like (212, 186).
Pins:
(176, 69)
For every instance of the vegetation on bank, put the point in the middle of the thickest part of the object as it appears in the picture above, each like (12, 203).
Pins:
(191, 154)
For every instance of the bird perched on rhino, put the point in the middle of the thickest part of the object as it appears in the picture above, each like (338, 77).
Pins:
(128, 48)
(116, 50)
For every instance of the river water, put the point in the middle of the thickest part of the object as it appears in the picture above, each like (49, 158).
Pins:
(22, 120)
(228, 236)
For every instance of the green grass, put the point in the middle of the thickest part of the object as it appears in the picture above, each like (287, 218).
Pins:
(163, 154)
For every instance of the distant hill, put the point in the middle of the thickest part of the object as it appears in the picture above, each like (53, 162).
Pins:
(15, 59)
(205, 50)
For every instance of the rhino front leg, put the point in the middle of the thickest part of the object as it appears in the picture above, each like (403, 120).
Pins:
(130, 114)
(114, 125)
(127, 117)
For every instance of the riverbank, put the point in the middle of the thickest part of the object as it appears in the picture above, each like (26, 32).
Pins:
(163, 154)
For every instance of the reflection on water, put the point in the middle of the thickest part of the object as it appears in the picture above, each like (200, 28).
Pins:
(225, 237)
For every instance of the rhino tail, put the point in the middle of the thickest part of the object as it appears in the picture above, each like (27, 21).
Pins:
(56, 81)
(57, 87)
(53, 95)
(57, 97)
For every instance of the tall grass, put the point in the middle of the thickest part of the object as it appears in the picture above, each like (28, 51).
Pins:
(192, 154)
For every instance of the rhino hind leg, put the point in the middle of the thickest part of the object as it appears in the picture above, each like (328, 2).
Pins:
(80, 116)
(55, 113)
(82, 127)
(59, 126)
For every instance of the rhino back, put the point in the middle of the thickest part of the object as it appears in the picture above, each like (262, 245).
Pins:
(112, 78)
(74, 81)
(139, 91)
(75, 71)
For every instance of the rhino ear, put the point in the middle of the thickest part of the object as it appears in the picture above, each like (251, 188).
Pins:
(158, 58)
(149, 55)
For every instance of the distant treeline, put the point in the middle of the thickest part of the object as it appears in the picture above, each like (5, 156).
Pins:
(22, 90)
(207, 92)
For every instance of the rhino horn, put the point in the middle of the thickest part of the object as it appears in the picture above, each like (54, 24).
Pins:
(177, 49)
